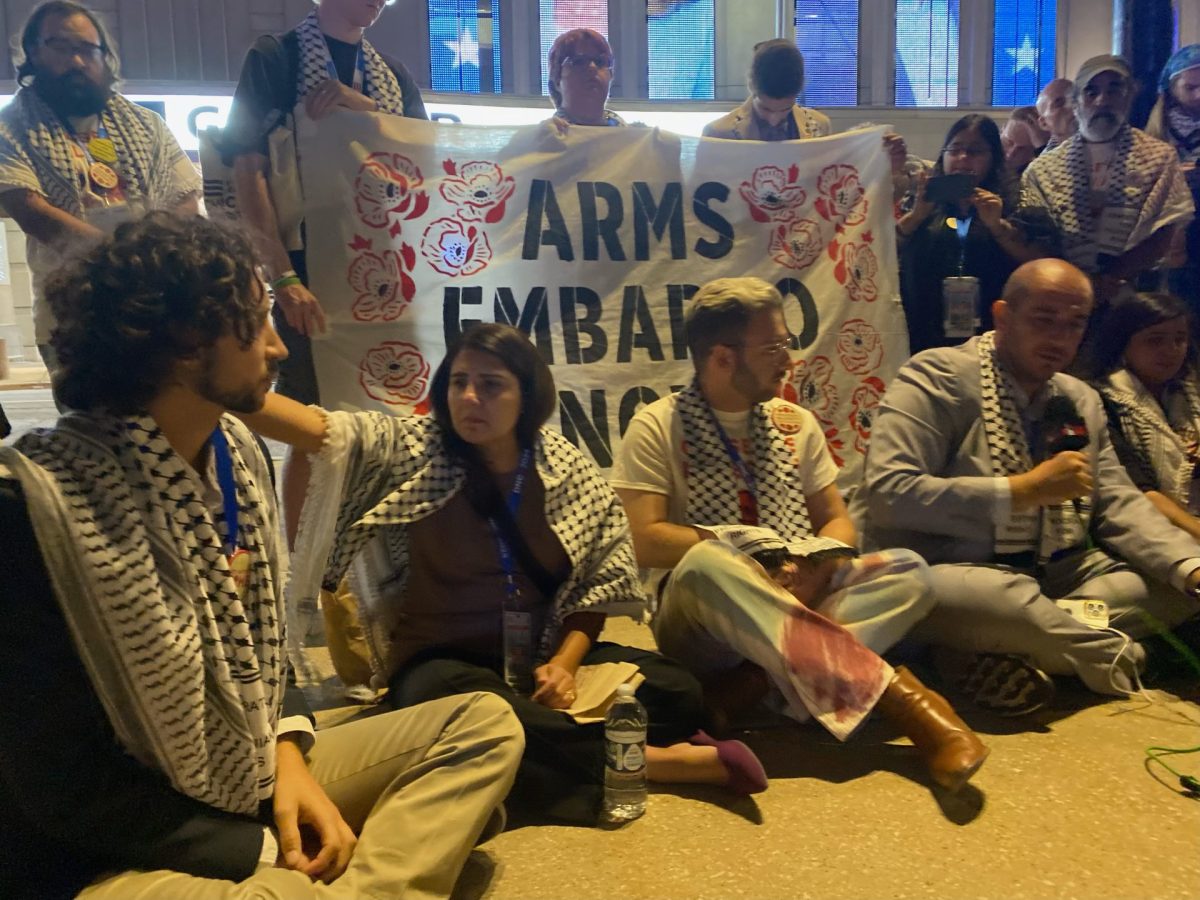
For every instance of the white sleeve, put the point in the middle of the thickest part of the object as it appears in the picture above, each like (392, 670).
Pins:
(644, 460)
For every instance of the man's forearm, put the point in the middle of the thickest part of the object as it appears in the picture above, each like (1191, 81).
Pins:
(40, 219)
(255, 204)
(663, 544)
(1145, 255)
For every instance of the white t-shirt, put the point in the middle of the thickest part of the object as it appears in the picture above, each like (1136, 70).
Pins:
(651, 456)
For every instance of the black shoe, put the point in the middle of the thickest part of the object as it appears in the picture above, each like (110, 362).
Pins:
(1007, 685)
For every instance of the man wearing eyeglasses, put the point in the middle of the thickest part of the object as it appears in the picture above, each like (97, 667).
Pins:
(724, 454)
(1116, 194)
(77, 158)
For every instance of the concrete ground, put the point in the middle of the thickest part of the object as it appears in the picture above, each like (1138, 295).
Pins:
(1066, 807)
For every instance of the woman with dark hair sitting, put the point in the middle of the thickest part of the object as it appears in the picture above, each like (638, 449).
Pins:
(477, 511)
(1146, 375)
(956, 254)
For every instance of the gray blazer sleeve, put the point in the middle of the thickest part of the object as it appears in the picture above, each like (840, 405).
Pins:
(923, 420)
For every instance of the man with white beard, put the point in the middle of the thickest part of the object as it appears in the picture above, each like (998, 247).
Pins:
(1116, 194)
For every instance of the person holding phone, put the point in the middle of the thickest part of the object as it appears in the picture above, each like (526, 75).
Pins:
(961, 237)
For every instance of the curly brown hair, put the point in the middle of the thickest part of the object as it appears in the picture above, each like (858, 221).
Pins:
(130, 307)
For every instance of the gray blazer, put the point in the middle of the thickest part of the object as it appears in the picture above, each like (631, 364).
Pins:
(928, 483)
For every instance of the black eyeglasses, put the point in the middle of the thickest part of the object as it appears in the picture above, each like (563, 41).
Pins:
(85, 50)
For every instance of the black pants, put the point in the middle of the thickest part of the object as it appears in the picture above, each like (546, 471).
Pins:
(561, 778)
(297, 373)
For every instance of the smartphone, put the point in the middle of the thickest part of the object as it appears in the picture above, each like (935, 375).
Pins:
(949, 188)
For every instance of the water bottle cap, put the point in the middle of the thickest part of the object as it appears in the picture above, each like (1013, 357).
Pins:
(624, 690)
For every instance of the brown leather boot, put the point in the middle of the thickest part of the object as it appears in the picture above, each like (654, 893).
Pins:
(951, 750)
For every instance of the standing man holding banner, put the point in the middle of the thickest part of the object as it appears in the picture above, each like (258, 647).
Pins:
(725, 455)
(326, 63)
(77, 158)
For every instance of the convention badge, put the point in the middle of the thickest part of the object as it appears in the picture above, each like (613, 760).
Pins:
(239, 571)
(960, 306)
(102, 149)
(786, 419)
(103, 176)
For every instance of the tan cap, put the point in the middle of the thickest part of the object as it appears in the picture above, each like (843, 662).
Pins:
(1097, 64)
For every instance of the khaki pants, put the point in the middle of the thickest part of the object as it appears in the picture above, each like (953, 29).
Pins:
(417, 785)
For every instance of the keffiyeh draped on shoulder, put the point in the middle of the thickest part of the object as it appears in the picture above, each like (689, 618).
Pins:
(1047, 530)
(190, 668)
(377, 474)
(379, 83)
(712, 486)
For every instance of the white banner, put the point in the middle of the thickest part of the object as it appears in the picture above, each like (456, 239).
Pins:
(592, 243)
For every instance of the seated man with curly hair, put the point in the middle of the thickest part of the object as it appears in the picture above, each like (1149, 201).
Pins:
(151, 741)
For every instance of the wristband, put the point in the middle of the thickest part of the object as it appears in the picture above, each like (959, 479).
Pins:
(287, 279)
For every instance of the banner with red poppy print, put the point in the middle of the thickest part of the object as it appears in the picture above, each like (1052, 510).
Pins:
(592, 242)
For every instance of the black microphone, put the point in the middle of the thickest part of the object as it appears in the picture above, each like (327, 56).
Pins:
(1063, 428)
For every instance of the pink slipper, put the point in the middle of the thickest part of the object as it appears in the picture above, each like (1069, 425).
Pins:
(746, 773)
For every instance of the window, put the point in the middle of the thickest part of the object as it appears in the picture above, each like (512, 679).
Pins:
(455, 27)
(1023, 44)
(680, 36)
(926, 52)
(827, 35)
(558, 16)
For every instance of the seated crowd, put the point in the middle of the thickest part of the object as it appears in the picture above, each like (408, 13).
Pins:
(1013, 522)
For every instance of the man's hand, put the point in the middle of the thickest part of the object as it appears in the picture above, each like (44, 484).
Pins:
(555, 686)
(301, 309)
(331, 94)
(1064, 476)
(301, 803)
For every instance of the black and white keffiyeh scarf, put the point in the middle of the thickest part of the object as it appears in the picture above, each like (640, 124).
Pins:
(34, 127)
(1165, 444)
(1184, 130)
(1144, 181)
(379, 83)
(1051, 528)
(190, 673)
(377, 474)
(712, 483)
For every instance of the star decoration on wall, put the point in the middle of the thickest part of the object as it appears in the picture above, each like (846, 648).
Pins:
(1024, 57)
(465, 49)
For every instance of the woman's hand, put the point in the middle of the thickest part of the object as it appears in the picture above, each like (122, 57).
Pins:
(555, 686)
(989, 207)
(325, 850)
(921, 210)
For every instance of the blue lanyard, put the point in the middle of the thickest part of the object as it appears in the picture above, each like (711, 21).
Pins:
(963, 227)
(360, 70)
(224, 465)
(507, 563)
(740, 464)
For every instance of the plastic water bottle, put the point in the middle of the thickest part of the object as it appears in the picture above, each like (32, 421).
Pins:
(625, 757)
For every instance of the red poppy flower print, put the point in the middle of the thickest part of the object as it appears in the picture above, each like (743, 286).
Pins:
(773, 195)
(835, 443)
(810, 384)
(859, 347)
(385, 191)
(455, 248)
(394, 373)
(843, 200)
(863, 404)
(381, 283)
(796, 245)
(478, 191)
(857, 268)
